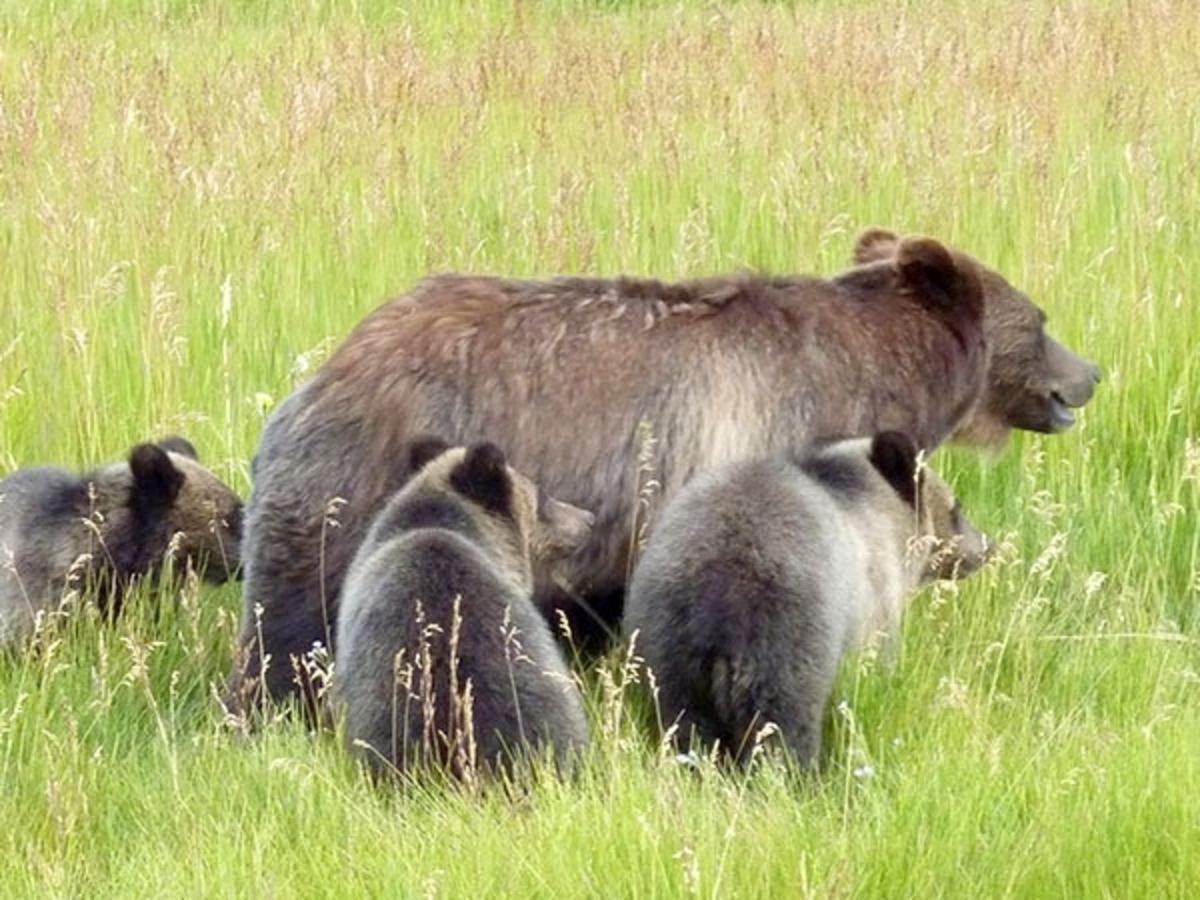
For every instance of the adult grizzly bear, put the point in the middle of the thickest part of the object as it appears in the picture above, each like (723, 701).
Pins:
(560, 374)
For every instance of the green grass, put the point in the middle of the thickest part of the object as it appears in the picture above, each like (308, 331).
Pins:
(198, 200)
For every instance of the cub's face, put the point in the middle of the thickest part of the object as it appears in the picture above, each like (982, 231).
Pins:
(173, 494)
(554, 529)
(207, 516)
(959, 548)
(540, 528)
(955, 547)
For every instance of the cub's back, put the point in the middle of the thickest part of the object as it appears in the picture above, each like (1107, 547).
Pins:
(42, 533)
(740, 604)
(749, 538)
(427, 612)
(403, 587)
(39, 500)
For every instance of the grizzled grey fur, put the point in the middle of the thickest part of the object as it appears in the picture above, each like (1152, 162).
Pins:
(442, 658)
(762, 574)
(98, 532)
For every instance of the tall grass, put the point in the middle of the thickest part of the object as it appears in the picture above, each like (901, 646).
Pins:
(197, 200)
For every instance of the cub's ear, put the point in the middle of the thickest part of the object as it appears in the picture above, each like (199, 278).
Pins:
(929, 271)
(482, 476)
(175, 444)
(874, 245)
(894, 455)
(423, 449)
(156, 481)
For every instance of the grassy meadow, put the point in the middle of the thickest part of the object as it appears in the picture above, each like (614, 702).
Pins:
(199, 199)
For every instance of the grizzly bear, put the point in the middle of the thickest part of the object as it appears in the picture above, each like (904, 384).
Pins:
(443, 661)
(761, 574)
(602, 389)
(1034, 382)
(100, 531)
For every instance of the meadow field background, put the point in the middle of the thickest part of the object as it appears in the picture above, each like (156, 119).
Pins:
(199, 199)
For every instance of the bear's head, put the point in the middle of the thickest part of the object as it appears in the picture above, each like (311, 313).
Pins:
(534, 529)
(948, 545)
(178, 505)
(1033, 382)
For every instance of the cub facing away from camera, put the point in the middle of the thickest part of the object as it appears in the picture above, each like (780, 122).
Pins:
(100, 531)
(442, 658)
(762, 574)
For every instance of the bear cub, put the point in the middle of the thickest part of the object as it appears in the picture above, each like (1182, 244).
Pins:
(760, 575)
(442, 659)
(100, 531)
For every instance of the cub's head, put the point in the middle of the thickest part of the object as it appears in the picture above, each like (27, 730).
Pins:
(506, 505)
(1033, 382)
(955, 547)
(175, 501)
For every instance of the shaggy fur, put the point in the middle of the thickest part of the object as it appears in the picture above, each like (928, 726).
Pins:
(562, 372)
(100, 531)
(761, 574)
(1034, 382)
(442, 658)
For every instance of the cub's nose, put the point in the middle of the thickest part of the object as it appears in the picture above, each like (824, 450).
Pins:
(1097, 375)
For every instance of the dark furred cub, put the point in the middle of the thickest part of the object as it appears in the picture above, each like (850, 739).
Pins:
(100, 531)
(442, 659)
(762, 574)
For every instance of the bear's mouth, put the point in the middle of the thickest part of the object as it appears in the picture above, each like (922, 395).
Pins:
(1061, 415)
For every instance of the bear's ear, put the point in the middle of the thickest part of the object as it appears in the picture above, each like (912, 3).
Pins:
(173, 443)
(928, 270)
(894, 455)
(875, 245)
(482, 476)
(156, 481)
(424, 449)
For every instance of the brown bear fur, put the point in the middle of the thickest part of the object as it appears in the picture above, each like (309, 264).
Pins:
(560, 374)
(1033, 380)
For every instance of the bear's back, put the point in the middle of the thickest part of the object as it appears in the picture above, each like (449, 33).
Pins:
(744, 601)
(426, 613)
(39, 494)
(747, 544)
(42, 533)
